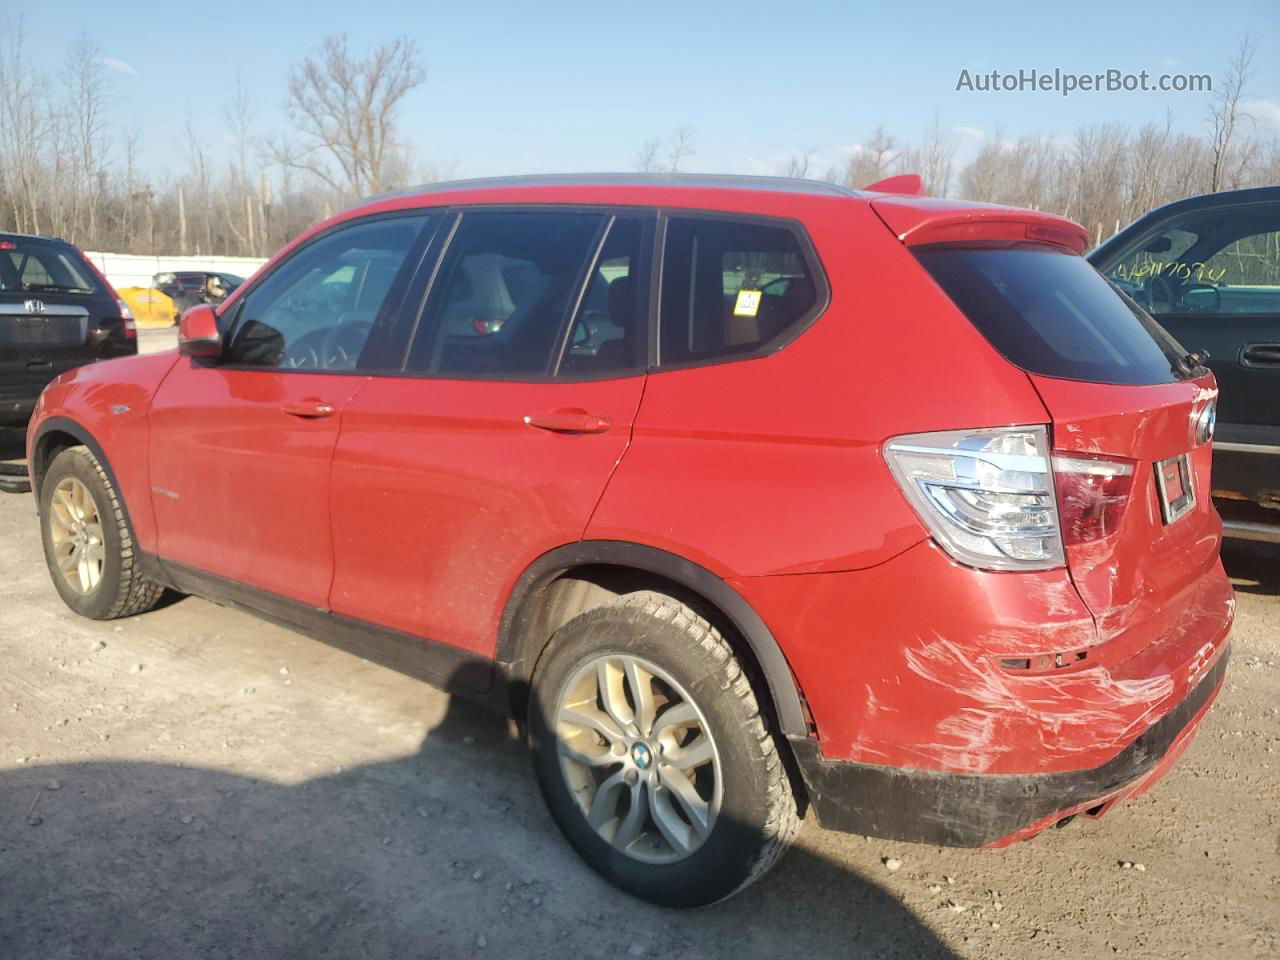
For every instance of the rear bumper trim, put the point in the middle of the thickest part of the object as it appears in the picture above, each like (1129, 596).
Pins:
(1231, 447)
(1244, 530)
(966, 810)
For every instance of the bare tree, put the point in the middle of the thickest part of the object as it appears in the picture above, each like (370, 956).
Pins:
(344, 109)
(237, 194)
(870, 161)
(24, 123)
(88, 89)
(932, 159)
(647, 156)
(1225, 114)
(682, 147)
(128, 224)
(800, 164)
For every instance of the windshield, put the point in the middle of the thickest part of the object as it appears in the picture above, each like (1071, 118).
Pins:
(1052, 314)
(32, 265)
(1221, 260)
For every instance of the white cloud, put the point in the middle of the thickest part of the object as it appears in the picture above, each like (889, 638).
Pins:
(973, 133)
(119, 66)
(1264, 111)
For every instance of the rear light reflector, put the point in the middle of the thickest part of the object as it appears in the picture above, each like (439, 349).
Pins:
(130, 325)
(986, 496)
(1092, 495)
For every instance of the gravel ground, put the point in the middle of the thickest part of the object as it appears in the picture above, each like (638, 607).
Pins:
(197, 783)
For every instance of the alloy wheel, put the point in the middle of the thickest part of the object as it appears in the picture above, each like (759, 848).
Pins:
(639, 758)
(75, 530)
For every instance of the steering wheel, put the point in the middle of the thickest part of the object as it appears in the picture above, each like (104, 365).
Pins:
(301, 355)
(1160, 290)
(774, 282)
(343, 343)
(1202, 305)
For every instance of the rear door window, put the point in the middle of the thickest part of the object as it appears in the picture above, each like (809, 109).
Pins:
(1052, 314)
(731, 287)
(609, 331)
(504, 292)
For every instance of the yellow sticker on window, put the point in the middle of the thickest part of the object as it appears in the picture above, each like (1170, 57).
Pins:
(747, 304)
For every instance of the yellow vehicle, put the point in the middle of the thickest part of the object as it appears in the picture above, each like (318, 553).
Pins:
(151, 307)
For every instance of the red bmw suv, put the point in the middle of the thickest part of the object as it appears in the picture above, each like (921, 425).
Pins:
(751, 496)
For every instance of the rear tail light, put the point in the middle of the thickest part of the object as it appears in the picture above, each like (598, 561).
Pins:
(487, 325)
(130, 325)
(999, 500)
(985, 495)
(1092, 495)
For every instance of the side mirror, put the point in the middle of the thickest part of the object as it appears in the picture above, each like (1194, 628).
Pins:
(198, 334)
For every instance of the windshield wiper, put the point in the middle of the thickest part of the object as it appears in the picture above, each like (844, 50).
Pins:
(1188, 364)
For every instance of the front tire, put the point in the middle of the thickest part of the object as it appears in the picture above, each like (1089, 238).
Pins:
(88, 545)
(653, 754)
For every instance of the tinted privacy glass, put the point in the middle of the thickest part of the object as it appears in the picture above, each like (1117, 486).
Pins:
(1052, 314)
(1216, 261)
(499, 304)
(315, 311)
(608, 332)
(38, 266)
(729, 287)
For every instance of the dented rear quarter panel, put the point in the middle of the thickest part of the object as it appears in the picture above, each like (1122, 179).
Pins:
(1133, 578)
(900, 664)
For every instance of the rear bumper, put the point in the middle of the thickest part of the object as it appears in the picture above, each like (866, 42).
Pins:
(964, 810)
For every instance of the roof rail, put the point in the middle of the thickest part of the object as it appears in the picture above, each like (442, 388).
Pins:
(677, 180)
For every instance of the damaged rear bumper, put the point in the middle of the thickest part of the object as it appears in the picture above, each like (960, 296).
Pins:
(977, 810)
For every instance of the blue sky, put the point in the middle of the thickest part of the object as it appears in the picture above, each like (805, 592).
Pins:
(561, 86)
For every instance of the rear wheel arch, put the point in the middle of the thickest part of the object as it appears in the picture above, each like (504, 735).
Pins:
(578, 577)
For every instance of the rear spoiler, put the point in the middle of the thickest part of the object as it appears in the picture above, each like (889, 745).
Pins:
(905, 184)
(920, 222)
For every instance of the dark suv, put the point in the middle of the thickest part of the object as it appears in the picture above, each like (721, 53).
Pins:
(1208, 269)
(56, 312)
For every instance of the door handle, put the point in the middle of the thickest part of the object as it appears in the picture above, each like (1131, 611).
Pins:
(309, 409)
(1260, 355)
(568, 420)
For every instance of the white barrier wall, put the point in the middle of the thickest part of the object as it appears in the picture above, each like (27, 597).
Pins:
(130, 270)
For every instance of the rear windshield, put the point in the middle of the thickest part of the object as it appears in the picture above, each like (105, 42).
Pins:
(1052, 314)
(30, 265)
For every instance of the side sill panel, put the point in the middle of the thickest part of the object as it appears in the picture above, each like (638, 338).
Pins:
(438, 664)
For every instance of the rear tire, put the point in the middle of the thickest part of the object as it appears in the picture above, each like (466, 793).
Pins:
(619, 785)
(88, 545)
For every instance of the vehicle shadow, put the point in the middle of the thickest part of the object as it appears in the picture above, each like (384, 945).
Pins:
(448, 852)
(1253, 567)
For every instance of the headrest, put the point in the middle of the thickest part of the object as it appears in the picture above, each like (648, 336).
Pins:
(621, 301)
